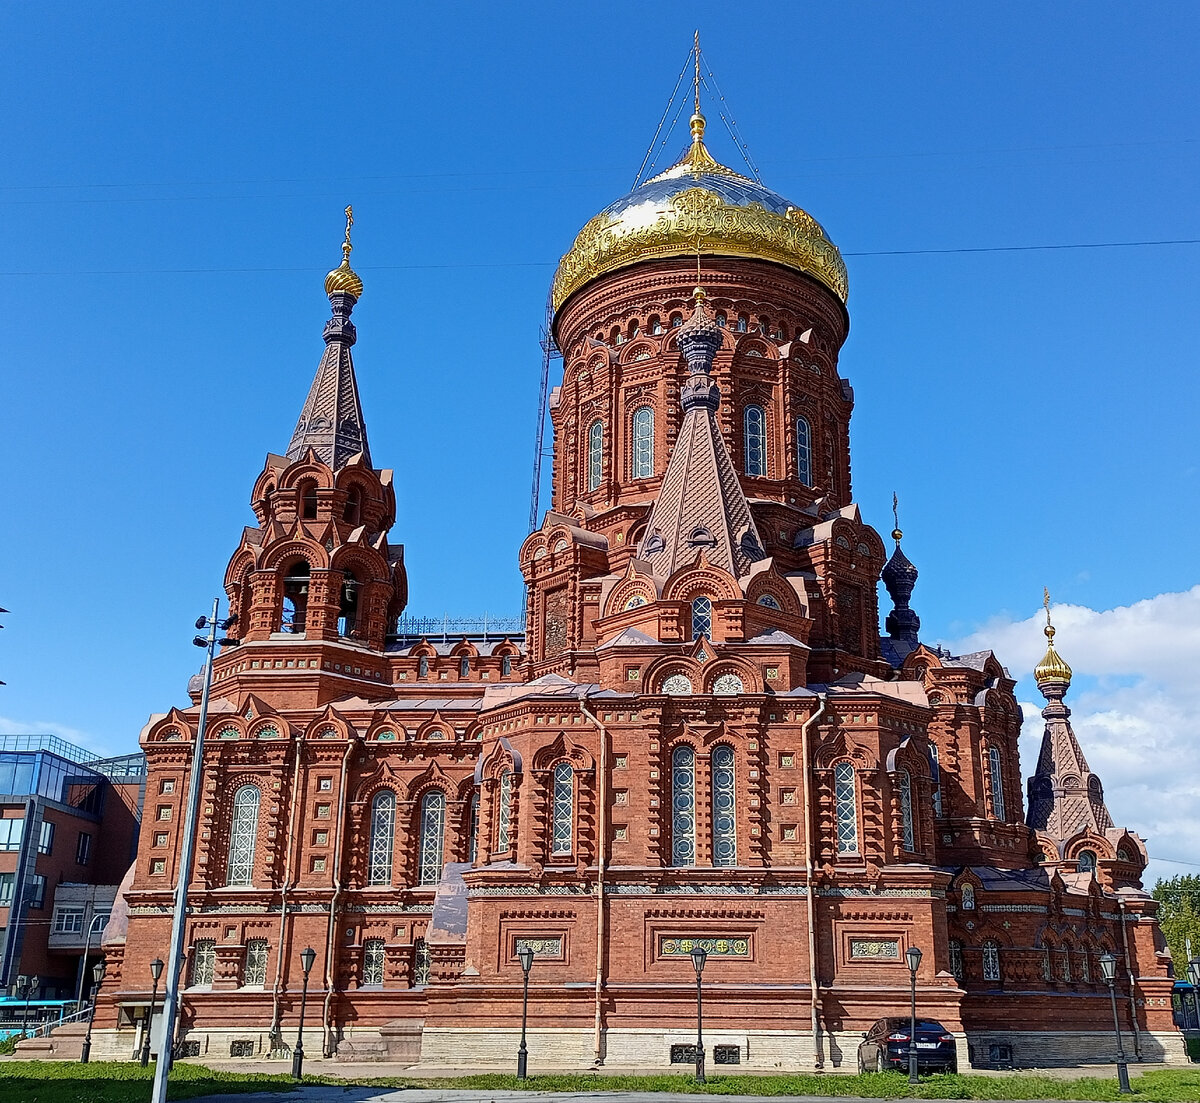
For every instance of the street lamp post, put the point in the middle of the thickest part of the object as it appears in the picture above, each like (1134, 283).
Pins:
(93, 928)
(156, 968)
(31, 984)
(1193, 972)
(525, 957)
(307, 957)
(914, 963)
(1108, 968)
(699, 956)
(187, 852)
(85, 1054)
(22, 990)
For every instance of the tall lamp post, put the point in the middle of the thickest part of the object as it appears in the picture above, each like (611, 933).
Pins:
(93, 928)
(31, 984)
(156, 968)
(1193, 972)
(307, 957)
(914, 963)
(1108, 969)
(187, 852)
(525, 957)
(97, 973)
(699, 956)
(22, 992)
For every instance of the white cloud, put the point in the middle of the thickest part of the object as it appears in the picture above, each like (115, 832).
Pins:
(1134, 706)
(9, 726)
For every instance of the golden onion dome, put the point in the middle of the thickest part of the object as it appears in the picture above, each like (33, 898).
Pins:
(1053, 667)
(700, 205)
(343, 278)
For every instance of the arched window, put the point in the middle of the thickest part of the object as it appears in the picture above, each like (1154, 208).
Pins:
(728, 685)
(1047, 967)
(295, 597)
(937, 779)
(1086, 862)
(464, 667)
(505, 665)
(724, 813)
(683, 806)
(595, 454)
(656, 327)
(504, 812)
(996, 773)
(643, 443)
(754, 435)
(563, 812)
(968, 897)
(721, 319)
(423, 666)
(906, 812)
(1065, 964)
(348, 613)
(1085, 965)
(433, 824)
(473, 827)
(373, 962)
(243, 835)
(846, 802)
(956, 959)
(770, 601)
(353, 506)
(702, 618)
(677, 685)
(204, 961)
(383, 835)
(991, 959)
(308, 500)
(803, 451)
(743, 323)
(676, 321)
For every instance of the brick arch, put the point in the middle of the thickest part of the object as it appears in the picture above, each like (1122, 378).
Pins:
(369, 561)
(1085, 840)
(749, 674)
(433, 726)
(534, 542)
(632, 585)
(767, 582)
(173, 721)
(643, 342)
(560, 749)
(295, 474)
(283, 554)
(839, 746)
(691, 582)
(661, 669)
(329, 718)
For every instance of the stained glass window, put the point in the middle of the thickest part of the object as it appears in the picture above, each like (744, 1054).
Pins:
(433, 823)
(769, 601)
(728, 685)
(702, 618)
(906, 811)
(243, 833)
(956, 958)
(997, 775)
(643, 443)
(373, 961)
(803, 452)
(754, 433)
(724, 806)
(991, 960)
(846, 801)
(255, 973)
(563, 816)
(420, 962)
(937, 779)
(677, 685)
(683, 806)
(595, 454)
(502, 819)
(204, 960)
(968, 897)
(1086, 863)
(383, 834)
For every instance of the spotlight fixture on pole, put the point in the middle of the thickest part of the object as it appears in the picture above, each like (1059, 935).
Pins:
(307, 957)
(699, 956)
(1108, 969)
(187, 852)
(914, 963)
(85, 1054)
(525, 957)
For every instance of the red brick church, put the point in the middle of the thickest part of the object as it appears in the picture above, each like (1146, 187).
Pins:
(700, 736)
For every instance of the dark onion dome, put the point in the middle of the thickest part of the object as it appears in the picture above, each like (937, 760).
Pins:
(699, 203)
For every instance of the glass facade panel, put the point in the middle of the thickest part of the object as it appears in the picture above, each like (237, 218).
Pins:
(724, 788)
(383, 834)
(10, 834)
(846, 801)
(683, 807)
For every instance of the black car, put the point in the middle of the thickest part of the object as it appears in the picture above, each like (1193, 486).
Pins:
(885, 1046)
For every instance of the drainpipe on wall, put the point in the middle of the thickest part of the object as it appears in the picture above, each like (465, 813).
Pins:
(275, 1032)
(1137, 1038)
(810, 902)
(333, 902)
(601, 862)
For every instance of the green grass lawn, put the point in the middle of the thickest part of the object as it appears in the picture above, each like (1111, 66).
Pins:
(126, 1082)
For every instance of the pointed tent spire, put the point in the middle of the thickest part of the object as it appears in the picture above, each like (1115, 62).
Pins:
(331, 422)
(1065, 797)
(900, 578)
(701, 506)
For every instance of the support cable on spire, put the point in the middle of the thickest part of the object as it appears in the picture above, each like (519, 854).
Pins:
(731, 125)
(647, 162)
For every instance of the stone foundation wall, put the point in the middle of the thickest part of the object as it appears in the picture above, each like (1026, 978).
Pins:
(1052, 1049)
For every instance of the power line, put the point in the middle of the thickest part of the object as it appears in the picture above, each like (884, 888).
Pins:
(548, 263)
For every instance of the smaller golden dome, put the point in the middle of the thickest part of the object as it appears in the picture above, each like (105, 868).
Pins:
(343, 278)
(1053, 667)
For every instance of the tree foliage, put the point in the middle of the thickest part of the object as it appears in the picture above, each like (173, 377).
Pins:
(1179, 917)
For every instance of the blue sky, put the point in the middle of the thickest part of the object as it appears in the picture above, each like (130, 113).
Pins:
(172, 189)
